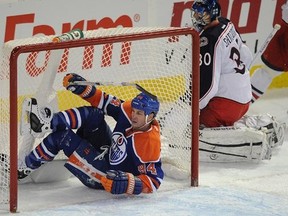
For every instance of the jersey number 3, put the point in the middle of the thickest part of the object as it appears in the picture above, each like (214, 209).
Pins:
(235, 56)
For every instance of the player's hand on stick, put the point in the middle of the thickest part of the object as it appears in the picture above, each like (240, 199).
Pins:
(84, 91)
(118, 182)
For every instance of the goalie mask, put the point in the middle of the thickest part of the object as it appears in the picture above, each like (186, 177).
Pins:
(204, 12)
(146, 104)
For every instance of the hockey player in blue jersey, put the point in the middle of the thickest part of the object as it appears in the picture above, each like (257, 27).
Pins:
(125, 160)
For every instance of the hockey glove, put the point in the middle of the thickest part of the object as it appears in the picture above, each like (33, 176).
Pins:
(118, 182)
(84, 91)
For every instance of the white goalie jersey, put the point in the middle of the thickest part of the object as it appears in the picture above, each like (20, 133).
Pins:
(225, 60)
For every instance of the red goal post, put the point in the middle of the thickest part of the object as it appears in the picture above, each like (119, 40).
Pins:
(165, 61)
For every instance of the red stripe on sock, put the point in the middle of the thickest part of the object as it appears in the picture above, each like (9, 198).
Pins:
(72, 118)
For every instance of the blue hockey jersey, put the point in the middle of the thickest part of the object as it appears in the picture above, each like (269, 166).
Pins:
(137, 152)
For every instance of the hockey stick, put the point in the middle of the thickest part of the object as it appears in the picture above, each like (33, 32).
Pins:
(135, 85)
(267, 41)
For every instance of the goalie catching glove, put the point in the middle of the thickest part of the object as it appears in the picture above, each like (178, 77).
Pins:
(118, 182)
(84, 91)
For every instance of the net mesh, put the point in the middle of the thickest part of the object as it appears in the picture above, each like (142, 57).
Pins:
(162, 65)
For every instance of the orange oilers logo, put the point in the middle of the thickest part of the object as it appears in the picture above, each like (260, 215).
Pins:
(118, 151)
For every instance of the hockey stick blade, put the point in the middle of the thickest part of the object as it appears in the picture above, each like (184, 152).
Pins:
(137, 86)
(140, 88)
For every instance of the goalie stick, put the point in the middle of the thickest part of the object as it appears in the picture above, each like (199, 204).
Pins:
(137, 86)
(267, 41)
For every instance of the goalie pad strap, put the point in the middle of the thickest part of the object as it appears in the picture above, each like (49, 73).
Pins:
(258, 144)
(229, 144)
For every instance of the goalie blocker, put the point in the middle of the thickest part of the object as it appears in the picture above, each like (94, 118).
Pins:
(252, 138)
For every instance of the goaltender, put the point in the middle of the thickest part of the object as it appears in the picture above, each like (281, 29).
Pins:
(227, 133)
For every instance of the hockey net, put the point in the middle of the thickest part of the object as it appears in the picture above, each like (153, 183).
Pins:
(165, 61)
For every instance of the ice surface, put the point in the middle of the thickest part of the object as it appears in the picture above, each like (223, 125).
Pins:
(224, 189)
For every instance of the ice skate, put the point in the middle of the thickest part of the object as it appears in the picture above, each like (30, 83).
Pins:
(23, 171)
(35, 120)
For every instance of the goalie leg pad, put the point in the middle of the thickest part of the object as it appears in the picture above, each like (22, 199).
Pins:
(268, 124)
(88, 165)
(230, 144)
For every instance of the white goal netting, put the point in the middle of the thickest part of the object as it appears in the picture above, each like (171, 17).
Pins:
(158, 59)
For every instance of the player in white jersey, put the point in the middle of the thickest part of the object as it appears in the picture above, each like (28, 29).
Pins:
(226, 133)
(225, 88)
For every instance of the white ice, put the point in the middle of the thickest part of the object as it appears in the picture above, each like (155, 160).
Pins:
(224, 189)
